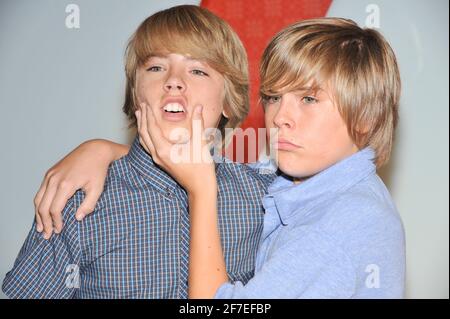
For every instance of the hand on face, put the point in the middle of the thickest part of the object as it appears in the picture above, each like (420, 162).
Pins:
(195, 169)
(169, 87)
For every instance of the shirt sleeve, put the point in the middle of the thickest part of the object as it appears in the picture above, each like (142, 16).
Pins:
(47, 268)
(307, 265)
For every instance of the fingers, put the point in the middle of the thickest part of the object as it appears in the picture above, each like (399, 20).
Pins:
(139, 126)
(39, 224)
(37, 201)
(143, 131)
(152, 138)
(198, 113)
(62, 195)
(49, 204)
(153, 129)
(197, 122)
(44, 209)
(89, 202)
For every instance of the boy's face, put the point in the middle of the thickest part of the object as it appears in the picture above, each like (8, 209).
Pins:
(173, 84)
(312, 135)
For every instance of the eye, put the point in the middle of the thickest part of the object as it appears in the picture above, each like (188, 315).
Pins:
(309, 100)
(271, 99)
(199, 72)
(154, 68)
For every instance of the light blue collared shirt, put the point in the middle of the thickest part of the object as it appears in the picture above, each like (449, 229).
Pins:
(336, 235)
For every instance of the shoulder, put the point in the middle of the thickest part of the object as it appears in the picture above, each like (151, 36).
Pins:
(367, 202)
(368, 227)
(364, 219)
(365, 212)
(121, 182)
(113, 217)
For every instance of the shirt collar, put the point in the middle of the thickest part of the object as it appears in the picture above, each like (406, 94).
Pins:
(144, 165)
(291, 199)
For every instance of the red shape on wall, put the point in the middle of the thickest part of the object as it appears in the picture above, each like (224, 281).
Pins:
(256, 22)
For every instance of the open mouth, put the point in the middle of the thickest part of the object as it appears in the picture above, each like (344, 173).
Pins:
(174, 108)
(174, 111)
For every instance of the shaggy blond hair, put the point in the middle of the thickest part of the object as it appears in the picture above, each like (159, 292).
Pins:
(194, 31)
(357, 64)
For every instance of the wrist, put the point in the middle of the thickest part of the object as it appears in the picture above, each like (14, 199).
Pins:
(205, 185)
(200, 193)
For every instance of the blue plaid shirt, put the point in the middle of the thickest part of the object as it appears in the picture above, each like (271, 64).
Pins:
(136, 243)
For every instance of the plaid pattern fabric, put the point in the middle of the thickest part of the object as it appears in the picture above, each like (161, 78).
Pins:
(136, 243)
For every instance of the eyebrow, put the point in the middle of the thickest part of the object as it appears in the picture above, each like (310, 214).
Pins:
(304, 88)
(308, 90)
(164, 56)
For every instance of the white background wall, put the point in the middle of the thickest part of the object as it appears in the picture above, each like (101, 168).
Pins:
(59, 87)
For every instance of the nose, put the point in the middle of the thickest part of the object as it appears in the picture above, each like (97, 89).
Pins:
(174, 83)
(283, 117)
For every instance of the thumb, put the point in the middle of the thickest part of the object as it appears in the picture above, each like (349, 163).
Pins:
(198, 113)
(197, 117)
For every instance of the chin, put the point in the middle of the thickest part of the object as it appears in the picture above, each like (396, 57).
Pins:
(298, 168)
(291, 168)
(172, 131)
